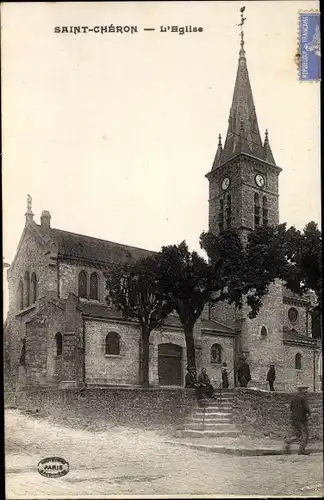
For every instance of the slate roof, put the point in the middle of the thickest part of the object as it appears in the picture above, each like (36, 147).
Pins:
(88, 248)
(290, 336)
(243, 134)
(97, 310)
(215, 326)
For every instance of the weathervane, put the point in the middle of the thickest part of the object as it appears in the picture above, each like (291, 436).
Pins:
(243, 19)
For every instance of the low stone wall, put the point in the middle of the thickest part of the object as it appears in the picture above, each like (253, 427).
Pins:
(135, 407)
(260, 413)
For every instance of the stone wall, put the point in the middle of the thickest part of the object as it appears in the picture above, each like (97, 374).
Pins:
(101, 368)
(135, 407)
(69, 274)
(259, 413)
(33, 255)
(214, 369)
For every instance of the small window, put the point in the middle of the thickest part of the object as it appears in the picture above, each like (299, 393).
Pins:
(256, 210)
(216, 353)
(33, 288)
(20, 300)
(264, 331)
(83, 284)
(59, 344)
(221, 215)
(26, 289)
(298, 361)
(94, 288)
(265, 211)
(22, 360)
(293, 315)
(229, 211)
(112, 344)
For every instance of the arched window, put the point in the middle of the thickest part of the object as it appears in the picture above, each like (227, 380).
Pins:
(59, 344)
(83, 284)
(112, 344)
(216, 353)
(94, 286)
(20, 301)
(264, 332)
(298, 361)
(256, 210)
(26, 289)
(33, 288)
(228, 211)
(221, 215)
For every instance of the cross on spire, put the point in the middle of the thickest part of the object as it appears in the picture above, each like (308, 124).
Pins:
(243, 19)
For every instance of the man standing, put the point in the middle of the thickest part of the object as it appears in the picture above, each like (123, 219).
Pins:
(243, 373)
(271, 377)
(299, 408)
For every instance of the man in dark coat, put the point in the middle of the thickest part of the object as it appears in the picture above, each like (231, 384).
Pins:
(243, 373)
(192, 383)
(205, 385)
(225, 383)
(191, 380)
(271, 377)
(299, 409)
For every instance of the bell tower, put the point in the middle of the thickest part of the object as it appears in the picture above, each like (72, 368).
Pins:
(243, 181)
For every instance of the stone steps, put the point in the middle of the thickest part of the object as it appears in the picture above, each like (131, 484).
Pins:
(214, 413)
(217, 426)
(212, 418)
(208, 433)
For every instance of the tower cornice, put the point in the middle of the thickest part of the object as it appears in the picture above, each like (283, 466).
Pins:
(235, 159)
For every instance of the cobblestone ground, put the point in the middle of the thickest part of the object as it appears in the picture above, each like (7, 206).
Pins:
(122, 461)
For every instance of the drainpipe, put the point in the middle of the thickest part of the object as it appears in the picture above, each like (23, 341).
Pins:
(314, 368)
(307, 316)
(83, 355)
(58, 278)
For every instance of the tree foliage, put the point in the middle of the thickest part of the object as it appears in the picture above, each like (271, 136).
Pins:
(188, 281)
(134, 290)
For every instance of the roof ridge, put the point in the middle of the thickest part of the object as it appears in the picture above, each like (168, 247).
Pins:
(101, 239)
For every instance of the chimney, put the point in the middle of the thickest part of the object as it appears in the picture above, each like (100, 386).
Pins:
(46, 221)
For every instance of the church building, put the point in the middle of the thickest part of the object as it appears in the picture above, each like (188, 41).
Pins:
(62, 332)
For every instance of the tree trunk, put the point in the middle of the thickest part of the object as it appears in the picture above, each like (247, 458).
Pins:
(190, 344)
(144, 362)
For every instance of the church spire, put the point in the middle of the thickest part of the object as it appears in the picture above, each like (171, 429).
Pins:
(242, 118)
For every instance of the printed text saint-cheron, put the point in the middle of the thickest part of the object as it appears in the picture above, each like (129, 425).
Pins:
(130, 29)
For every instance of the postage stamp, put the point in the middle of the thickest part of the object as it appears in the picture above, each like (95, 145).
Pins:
(309, 46)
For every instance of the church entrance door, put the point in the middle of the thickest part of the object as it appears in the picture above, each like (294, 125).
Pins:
(170, 364)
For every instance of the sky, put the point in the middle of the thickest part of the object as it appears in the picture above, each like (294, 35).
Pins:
(114, 133)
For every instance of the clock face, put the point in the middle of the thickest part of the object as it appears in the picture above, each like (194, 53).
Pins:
(259, 179)
(225, 183)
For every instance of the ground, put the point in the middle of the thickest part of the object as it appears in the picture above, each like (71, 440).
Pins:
(123, 461)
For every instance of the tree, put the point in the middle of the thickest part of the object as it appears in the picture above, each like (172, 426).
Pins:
(287, 254)
(134, 290)
(308, 259)
(188, 281)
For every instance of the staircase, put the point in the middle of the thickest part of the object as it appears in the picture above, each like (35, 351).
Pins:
(212, 418)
